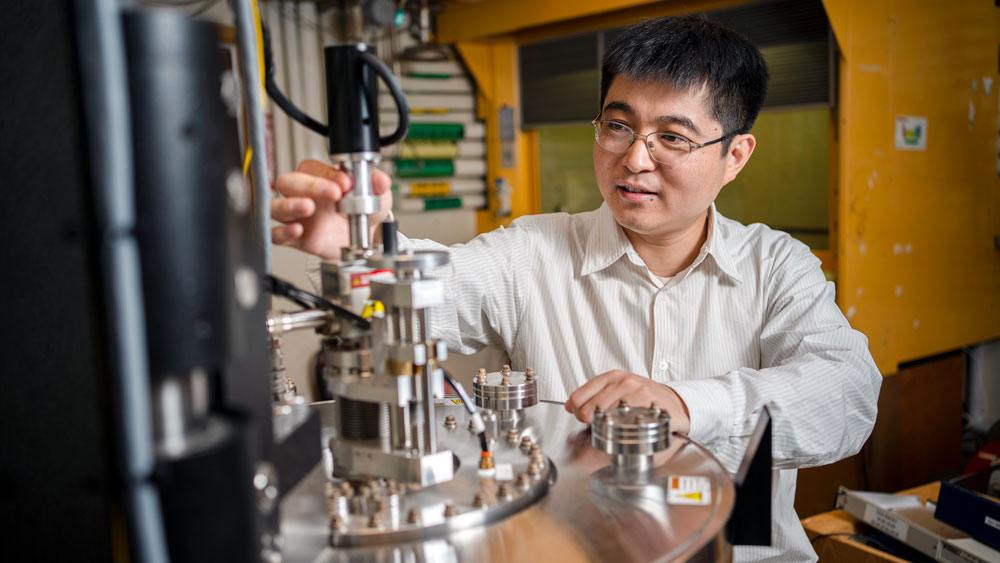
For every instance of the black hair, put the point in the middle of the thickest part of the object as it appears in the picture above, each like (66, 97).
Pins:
(689, 52)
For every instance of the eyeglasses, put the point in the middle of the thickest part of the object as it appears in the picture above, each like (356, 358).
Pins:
(669, 149)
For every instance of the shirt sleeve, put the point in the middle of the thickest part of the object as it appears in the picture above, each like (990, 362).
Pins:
(816, 376)
(483, 288)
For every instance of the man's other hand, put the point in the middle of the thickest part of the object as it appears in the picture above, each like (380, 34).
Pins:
(309, 209)
(607, 389)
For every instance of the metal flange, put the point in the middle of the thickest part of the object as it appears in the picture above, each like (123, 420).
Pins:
(631, 435)
(505, 390)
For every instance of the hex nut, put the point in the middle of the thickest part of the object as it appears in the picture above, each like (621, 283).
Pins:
(413, 516)
(450, 510)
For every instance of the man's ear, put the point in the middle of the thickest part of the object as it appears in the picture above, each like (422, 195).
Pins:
(740, 149)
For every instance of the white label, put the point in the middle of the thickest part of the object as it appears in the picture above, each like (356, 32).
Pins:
(887, 522)
(686, 489)
(911, 133)
(993, 523)
(505, 472)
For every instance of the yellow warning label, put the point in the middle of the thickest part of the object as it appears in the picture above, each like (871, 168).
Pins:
(430, 189)
(689, 489)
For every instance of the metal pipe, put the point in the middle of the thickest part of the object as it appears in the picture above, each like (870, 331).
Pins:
(287, 322)
(246, 37)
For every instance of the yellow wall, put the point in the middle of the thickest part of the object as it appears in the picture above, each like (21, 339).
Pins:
(918, 271)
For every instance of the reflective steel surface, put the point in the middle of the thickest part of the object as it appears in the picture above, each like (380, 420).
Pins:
(592, 512)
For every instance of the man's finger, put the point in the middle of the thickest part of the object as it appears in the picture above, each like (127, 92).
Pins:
(286, 234)
(381, 182)
(292, 209)
(300, 184)
(608, 397)
(586, 391)
(328, 171)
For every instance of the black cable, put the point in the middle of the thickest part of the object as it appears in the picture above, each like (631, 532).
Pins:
(279, 98)
(469, 405)
(397, 94)
(277, 286)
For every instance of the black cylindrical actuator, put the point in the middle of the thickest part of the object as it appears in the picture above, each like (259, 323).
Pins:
(352, 100)
(184, 146)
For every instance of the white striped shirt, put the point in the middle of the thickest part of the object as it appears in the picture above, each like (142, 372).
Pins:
(752, 321)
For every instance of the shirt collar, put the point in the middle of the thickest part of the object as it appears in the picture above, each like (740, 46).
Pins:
(606, 243)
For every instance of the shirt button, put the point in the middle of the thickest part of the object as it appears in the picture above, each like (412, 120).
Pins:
(663, 366)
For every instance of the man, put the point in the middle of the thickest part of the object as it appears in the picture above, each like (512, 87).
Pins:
(655, 296)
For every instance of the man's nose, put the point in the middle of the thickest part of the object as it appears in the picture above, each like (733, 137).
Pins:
(637, 158)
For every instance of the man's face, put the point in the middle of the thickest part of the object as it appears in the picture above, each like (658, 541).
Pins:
(672, 198)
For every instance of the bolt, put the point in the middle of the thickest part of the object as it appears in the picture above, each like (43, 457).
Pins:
(598, 411)
(534, 470)
(525, 442)
(505, 378)
(481, 376)
(450, 510)
(623, 406)
(346, 488)
(471, 425)
(529, 374)
(505, 369)
(534, 449)
(479, 500)
(664, 415)
(505, 491)
(523, 481)
(375, 521)
(512, 434)
(413, 516)
(449, 422)
(337, 523)
(538, 458)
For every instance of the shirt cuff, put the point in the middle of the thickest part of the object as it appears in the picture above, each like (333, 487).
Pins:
(708, 406)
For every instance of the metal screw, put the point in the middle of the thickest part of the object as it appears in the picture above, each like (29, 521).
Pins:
(505, 378)
(654, 409)
(534, 449)
(471, 426)
(512, 434)
(375, 521)
(450, 510)
(623, 406)
(525, 442)
(664, 415)
(538, 458)
(481, 376)
(534, 470)
(598, 412)
(413, 516)
(479, 500)
(505, 369)
(337, 523)
(346, 488)
(449, 422)
(529, 374)
(505, 491)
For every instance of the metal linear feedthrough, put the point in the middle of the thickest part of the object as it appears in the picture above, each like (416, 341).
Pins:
(505, 395)
(631, 435)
